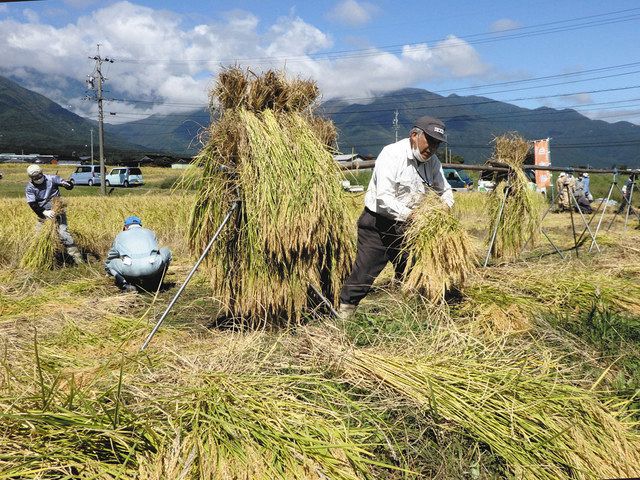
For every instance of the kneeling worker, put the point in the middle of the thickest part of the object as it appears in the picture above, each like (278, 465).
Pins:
(403, 173)
(135, 259)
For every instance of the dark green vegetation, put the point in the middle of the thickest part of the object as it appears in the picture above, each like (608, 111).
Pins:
(32, 122)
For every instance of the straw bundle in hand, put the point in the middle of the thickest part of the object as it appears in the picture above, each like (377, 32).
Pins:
(45, 245)
(438, 249)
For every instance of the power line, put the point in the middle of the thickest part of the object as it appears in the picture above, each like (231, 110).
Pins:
(472, 39)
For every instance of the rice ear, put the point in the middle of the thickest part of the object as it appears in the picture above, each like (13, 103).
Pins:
(438, 249)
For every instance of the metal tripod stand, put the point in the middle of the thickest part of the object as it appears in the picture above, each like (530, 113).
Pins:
(234, 206)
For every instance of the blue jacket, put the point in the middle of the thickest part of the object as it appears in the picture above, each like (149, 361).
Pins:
(135, 253)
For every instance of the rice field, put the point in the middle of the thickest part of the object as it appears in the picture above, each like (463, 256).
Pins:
(531, 371)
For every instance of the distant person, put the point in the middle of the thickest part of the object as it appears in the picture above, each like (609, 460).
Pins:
(583, 203)
(135, 259)
(627, 191)
(40, 192)
(586, 185)
(404, 172)
(563, 185)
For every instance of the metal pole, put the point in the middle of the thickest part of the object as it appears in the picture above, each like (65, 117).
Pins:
(626, 218)
(92, 146)
(495, 230)
(593, 239)
(604, 209)
(325, 300)
(191, 273)
(573, 225)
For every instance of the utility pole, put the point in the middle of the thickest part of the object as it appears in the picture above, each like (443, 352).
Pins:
(395, 123)
(92, 146)
(100, 78)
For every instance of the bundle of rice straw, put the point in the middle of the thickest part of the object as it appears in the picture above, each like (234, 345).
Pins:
(292, 230)
(522, 210)
(522, 408)
(438, 249)
(45, 245)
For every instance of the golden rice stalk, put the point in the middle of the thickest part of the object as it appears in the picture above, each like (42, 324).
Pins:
(522, 209)
(525, 412)
(438, 249)
(45, 245)
(292, 230)
(325, 130)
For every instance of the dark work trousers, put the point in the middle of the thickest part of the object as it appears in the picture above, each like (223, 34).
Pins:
(379, 242)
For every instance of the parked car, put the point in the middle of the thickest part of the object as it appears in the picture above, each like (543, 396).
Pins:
(124, 177)
(458, 179)
(86, 175)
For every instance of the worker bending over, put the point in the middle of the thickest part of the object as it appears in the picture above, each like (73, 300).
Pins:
(135, 260)
(404, 172)
(40, 192)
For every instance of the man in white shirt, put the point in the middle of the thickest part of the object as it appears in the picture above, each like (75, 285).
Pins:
(403, 173)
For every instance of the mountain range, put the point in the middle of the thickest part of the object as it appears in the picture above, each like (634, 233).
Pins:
(31, 122)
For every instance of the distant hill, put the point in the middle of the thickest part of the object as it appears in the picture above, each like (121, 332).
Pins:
(32, 123)
(176, 133)
(472, 122)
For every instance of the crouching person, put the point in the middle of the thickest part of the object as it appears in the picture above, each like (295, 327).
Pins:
(135, 260)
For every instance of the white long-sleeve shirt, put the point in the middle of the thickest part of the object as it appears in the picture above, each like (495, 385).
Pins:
(396, 187)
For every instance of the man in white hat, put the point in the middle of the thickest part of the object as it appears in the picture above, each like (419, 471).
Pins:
(40, 192)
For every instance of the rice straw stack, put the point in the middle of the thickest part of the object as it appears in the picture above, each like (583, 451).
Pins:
(292, 231)
(522, 210)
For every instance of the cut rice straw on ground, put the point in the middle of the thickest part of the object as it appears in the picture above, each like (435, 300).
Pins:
(542, 427)
(522, 208)
(438, 249)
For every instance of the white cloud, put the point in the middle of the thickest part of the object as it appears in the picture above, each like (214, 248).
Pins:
(30, 15)
(352, 12)
(579, 98)
(161, 65)
(504, 24)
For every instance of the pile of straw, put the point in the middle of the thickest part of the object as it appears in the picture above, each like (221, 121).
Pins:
(522, 210)
(438, 249)
(522, 408)
(45, 246)
(292, 230)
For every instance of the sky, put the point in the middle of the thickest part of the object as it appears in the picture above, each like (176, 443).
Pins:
(166, 53)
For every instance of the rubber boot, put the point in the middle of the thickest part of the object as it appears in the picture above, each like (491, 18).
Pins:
(346, 311)
(125, 286)
(74, 252)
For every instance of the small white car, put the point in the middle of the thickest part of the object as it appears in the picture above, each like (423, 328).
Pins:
(124, 177)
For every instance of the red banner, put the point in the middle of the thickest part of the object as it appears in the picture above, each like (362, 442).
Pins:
(543, 158)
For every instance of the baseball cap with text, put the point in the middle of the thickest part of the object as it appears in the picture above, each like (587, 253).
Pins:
(432, 127)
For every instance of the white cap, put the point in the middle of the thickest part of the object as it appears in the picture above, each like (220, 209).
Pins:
(34, 170)
(562, 174)
(585, 174)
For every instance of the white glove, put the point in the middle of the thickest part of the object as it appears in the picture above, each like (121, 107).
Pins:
(49, 214)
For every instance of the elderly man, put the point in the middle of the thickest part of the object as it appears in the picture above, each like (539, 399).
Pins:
(403, 173)
(135, 258)
(40, 192)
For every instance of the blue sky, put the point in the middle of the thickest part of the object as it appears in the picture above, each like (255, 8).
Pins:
(167, 52)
